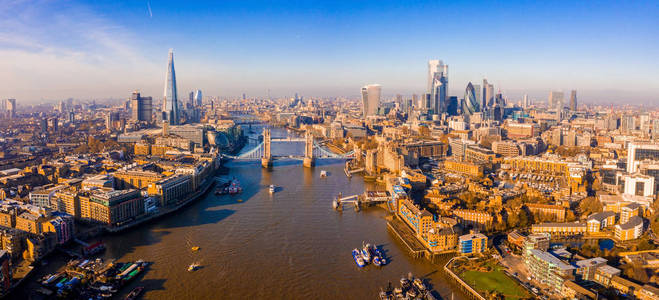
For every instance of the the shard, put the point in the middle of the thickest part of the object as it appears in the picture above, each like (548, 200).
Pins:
(170, 100)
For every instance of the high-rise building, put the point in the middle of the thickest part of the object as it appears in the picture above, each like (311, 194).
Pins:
(191, 99)
(198, 98)
(8, 108)
(573, 100)
(471, 102)
(488, 94)
(170, 101)
(438, 85)
(141, 107)
(525, 102)
(452, 106)
(370, 99)
(555, 99)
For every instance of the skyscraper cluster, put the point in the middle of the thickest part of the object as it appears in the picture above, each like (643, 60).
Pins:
(437, 94)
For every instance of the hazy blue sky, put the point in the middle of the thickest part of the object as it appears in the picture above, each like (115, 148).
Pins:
(608, 50)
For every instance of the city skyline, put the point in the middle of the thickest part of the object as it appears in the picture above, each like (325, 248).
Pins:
(530, 52)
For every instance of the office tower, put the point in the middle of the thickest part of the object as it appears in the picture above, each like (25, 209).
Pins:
(141, 107)
(471, 102)
(191, 99)
(415, 100)
(438, 85)
(43, 123)
(452, 106)
(72, 117)
(488, 94)
(54, 124)
(573, 100)
(109, 120)
(370, 99)
(8, 108)
(198, 98)
(637, 152)
(655, 128)
(244, 96)
(555, 99)
(170, 102)
(62, 107)
(525, 102)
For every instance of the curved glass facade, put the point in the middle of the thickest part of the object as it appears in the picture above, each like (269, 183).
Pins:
(471, 103)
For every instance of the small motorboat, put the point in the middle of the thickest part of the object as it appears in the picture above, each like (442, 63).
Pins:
(323, 173)
(366, 252)
(195, 248)
(377, 261)
(272, 189)
(136, 292)
(358, 258)
(193, 267)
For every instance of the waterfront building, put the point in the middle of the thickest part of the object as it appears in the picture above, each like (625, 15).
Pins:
(624, 286)
(141, 107)
(172, 189)
(420, 220)
(42, 197)
(538, 241)
(135, 179)
(170, 107)
(67, 201)
(630, 230)
(12, 241)
(473, 243)
(370, 99)
(548, 269)
(571, 290)
(516, 239)
(5, 273)
(560, 228)
(114, 207)
(598, 221)
(628, 211)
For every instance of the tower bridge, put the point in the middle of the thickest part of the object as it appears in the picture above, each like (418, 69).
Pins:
(312, 151)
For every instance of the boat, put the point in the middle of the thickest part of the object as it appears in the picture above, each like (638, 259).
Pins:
(193, 267)
(272, 189)
(377, 261)
(323, 173)
(418, 283)
(366, 252)
(358, 258)
(234, 187)
(136, 292)
(195, 248)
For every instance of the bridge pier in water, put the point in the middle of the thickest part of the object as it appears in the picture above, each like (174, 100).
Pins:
(309, 160)
(266, 160)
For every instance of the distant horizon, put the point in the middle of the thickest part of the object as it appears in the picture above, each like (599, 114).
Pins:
(100, 50)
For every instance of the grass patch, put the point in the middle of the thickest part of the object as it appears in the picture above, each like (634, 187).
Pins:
(496, 280)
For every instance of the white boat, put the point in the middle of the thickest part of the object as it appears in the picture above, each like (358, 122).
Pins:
(193, 267)
(272, 189)
(323, 173)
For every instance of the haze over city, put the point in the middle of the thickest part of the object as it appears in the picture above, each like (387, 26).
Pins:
(51, 50)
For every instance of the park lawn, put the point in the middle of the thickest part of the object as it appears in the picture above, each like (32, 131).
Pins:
(494, 281)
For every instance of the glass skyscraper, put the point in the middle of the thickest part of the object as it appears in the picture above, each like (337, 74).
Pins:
(370, 99)
(438, 85)
(471, 103)
(170, 101)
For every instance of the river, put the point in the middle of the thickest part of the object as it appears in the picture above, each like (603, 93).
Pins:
(255, 245)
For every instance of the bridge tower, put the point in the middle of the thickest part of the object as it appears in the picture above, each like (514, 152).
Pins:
(309, 160)
(266, 160)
